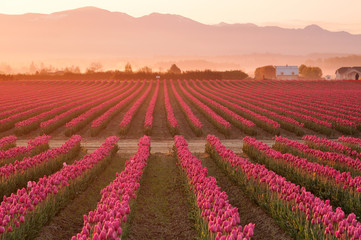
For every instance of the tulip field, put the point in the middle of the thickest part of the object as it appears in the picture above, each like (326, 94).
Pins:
(193, 108)
(180, 159)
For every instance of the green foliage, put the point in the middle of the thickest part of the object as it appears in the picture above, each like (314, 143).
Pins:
(128, 68)
(310, 72)
(265, 72)
(174, 69)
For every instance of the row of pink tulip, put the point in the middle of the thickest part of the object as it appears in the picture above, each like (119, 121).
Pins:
(264, 122)
(219, 220)
(281, 119)
(10, 121)
(334, 96)
(298, 95)
(193, 121)
(337, 123)
(33, 123)
(336, 160)
(101, 122)
(210, 102)
(220, 123)
(148, 120)
(294, 101)
(77, 123)
(39, 144)
(52, 124)
(13, 175)
(44, 94)
(109, 219)
(353, 143)
(7, 142)
(309, 121)
(234, 104)
(321, 108)
(23, 213)
(341, 188)
(34, 103)
(128, 116)
(280, 103)
(245, 125)
(171, 120)
(286, 201)
(325, 144)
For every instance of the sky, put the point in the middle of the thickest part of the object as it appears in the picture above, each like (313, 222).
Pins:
(334, 15)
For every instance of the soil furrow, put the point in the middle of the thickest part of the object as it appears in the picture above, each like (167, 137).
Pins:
(161, 209)
(266, 227)
(69, 221)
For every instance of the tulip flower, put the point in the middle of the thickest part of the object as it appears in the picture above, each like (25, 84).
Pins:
(220, 219)
(110, 216)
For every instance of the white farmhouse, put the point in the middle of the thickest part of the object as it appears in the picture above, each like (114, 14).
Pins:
(348, 73)
(287, 72)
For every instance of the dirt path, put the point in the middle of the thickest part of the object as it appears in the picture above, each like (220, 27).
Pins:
(184, 127)
(157, 146)
(266, 227)
(161, 210)
(160, 129)
(136, 129)
(208, 127)
(69, 221)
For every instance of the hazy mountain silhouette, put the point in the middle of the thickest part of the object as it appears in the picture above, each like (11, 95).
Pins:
(90, 31)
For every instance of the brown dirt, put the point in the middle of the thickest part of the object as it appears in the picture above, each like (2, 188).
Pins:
(113, 126)
(157, 146)
(160, 130)
(69, 221)
(208, 127)
(266, 227)
(161, 209)
(137, 124)
(184, 126)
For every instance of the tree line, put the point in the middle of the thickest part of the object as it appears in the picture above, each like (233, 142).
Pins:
(94, 72)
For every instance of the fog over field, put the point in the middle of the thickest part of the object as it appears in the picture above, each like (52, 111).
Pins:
(81, 36)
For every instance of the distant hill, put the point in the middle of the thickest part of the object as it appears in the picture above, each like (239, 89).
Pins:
(94, 32)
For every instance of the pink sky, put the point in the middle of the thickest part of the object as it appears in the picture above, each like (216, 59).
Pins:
(333, 15)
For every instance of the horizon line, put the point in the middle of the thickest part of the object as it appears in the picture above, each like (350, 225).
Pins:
(304, 26)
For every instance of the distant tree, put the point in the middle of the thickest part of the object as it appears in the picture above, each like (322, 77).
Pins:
(174, 69)
(72, 69)
(310, 72)
(234, 75)
(44, 70)
(76, 69)
(32, 68)
(128, 68)
(145, 69)
(94, 67)
(265, 72)
(302, 68)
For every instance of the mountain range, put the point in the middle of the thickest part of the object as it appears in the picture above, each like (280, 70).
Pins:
(94, 32)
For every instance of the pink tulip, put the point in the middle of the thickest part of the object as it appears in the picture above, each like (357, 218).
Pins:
(293, 197)
(128, 116)
(172, 121)
(213, 204)
(113, 207)
(104, 118)
(91, 101)
(148, 121)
